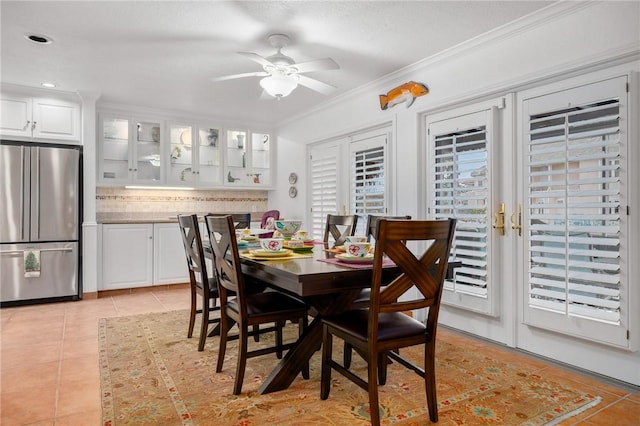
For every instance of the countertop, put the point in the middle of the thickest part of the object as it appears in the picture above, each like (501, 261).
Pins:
(151, 217)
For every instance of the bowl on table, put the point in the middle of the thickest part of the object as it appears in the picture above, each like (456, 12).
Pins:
(288, 227)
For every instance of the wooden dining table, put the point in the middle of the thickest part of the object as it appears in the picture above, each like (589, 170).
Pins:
(327, 288)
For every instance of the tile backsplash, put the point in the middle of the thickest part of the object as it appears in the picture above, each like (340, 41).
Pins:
(162, 202)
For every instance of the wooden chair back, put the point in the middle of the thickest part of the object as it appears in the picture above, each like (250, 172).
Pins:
(339, 227)
(426, 272)
(372, 224)
(192, 242)
(226, 259)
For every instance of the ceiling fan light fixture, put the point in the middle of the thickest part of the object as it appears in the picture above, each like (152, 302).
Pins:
(279, 85)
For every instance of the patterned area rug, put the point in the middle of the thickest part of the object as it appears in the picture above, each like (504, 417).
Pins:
(151, 374)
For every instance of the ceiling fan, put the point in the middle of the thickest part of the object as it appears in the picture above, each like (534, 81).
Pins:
(282, 74)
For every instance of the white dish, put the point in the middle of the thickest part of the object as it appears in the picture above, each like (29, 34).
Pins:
(355, 259)
(269, 254)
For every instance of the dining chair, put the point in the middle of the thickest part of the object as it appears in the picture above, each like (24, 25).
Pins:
(339, 227)
(382, 328)
(248, 309)
(362, 300)
(268, 219)
(200, 282)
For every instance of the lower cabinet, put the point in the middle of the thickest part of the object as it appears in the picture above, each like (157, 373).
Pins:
(169, 258)
(140, 255)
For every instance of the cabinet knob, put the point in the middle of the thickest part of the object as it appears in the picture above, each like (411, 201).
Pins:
(26, 125)
(33, 126)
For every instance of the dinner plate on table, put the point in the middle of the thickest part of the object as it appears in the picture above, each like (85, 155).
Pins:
(355, 259)
(270, 254)
(301, 249)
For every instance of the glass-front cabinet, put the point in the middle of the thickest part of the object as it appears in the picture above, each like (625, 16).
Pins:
(130, 150)
(178, 153)
(248, 158)
(194, 160)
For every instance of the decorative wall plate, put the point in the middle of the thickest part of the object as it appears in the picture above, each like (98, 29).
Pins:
(293, 178)
(293, 192)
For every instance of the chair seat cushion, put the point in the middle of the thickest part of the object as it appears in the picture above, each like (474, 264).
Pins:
(269, 303)
(393, 325)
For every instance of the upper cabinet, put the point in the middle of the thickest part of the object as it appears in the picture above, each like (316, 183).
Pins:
(42, 119)
(181, 154)
(248, 159)
(194, 155)
(130, 151)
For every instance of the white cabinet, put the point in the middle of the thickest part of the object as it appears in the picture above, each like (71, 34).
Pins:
(169, 258)
(130, 150)
(194, 154)
(127, 255)
(39, 118)
(247, 159)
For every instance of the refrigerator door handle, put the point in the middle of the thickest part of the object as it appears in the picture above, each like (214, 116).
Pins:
(22, 197)
(22, 251)
(35, 194)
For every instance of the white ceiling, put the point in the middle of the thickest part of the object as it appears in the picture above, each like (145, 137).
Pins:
(162, 54)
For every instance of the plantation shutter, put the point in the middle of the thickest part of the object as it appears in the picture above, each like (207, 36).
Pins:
(324, 186)
(368, 179)
(459, 186)
(574, 211)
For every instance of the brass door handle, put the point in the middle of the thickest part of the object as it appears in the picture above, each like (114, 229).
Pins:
(498, 220)
(517, 224)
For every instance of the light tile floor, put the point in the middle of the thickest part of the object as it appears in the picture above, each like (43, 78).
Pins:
(49, 357)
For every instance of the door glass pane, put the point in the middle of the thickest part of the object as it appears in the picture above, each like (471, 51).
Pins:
(180, 154)
(115, 149)
(236, 170)
(147, 143)
(209, 156)
(260, 157)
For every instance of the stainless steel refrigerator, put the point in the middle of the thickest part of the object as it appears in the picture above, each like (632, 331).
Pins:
(40, 207)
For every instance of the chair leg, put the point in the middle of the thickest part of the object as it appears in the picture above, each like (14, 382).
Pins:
(383, 361)
(279, 326)
(224, 330)
(373, 388)
(243, 337)
(256, 336)
(192, 314)
(204, 326)
(430, 380)
(325, 375)
(302, 326)
(347, 352)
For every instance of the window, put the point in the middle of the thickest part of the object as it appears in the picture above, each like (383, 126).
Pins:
(575, 211)
(368, 179)
(460, 187)
(324, 166)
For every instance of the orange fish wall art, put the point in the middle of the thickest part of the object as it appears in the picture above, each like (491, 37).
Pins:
(406, 92)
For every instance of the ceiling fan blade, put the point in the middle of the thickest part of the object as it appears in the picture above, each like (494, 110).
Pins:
(317, 65)
(313, 84)
(246, 74)
(257, 58)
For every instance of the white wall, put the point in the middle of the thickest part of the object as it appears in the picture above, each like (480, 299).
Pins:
(563, 40)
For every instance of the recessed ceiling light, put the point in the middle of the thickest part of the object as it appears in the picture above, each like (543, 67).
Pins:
(48, 85)
(38, 38)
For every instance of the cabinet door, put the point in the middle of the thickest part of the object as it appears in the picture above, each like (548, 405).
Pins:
(54, 119)
(127, 256)
(15, 119)
(260, 159)
(209, 164)
(236, 158)
(146, 152)
(181, 162)
(114, 164)
(169, 259)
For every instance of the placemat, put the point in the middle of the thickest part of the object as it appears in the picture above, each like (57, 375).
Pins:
(288, 257)
(386, 263)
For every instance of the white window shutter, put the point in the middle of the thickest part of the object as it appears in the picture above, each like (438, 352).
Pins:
(368, 179)
(324, 192)
(574, 211)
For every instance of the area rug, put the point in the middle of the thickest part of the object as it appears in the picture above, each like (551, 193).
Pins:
(151, 374)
